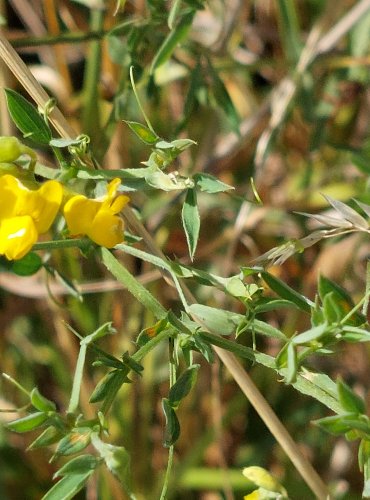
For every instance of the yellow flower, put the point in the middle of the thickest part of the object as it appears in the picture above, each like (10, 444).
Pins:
(25, 213)
(97, 218)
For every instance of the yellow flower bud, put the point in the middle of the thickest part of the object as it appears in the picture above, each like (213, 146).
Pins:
(263, 479)
(10, 149)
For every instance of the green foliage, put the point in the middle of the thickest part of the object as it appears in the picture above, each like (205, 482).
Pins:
(27, 119)
(279, 322)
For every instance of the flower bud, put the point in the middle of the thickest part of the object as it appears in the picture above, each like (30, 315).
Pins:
(10, 149)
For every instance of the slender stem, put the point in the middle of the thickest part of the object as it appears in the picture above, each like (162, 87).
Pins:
(17, 384)
(77, 380)
(168, 473)
(57, 244)
(365, 305)
(138, 101)
(71, 37)
(172, 375)
(358, 306)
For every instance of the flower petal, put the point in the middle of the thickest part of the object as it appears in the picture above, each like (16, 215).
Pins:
(17, 236)
(79, 213)
(117, 204)
(8, 196)
(106, 229)
(46, 203)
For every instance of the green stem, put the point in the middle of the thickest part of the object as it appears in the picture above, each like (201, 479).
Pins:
(365, 305)
(138, 101)
(17, 384)
(358, 306)
(82, 243)
(172, 375)
(77, 380)
(71, 37)
(143, 351)
(58, 155)
(132, 284)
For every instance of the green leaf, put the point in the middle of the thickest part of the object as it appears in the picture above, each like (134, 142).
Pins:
(106, 359)
(102, 331)
(172, 429)
(342, 299)
(40, 402)
(292, 364)
(108, 385)
(172, 40)
(191, 220)
(346, 422)
(204, 348)
(216, 320)
(265, 329)
(74, 442)
(235, 287)
(364, 454)
(223, 99)
(355, 334)
(117, 460)
(68, 487)
(286, 292)
(27, 119)
(183, 386)
(210, 184)
(131, 364)
(350, 401)
(272, 305)
(174, 11)
(289, 29)
(79, 465)
(28, 423)
(331, 309)
(50, 436)
(313, 334)
(143, 132)
(28, 265)
(281, 359)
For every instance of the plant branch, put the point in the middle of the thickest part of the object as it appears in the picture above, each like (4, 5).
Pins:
(232, 364)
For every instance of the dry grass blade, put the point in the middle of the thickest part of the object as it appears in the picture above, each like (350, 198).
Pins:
(25, 77)
(304, 467)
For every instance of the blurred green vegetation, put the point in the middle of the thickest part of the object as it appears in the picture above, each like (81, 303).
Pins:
(271, 90)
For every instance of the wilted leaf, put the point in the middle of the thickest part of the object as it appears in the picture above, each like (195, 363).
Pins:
(348, 213)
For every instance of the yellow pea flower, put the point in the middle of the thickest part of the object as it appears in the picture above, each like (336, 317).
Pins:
(25, 213)
(97, 218)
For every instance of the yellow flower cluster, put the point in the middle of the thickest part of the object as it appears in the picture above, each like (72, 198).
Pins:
(26, 213)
